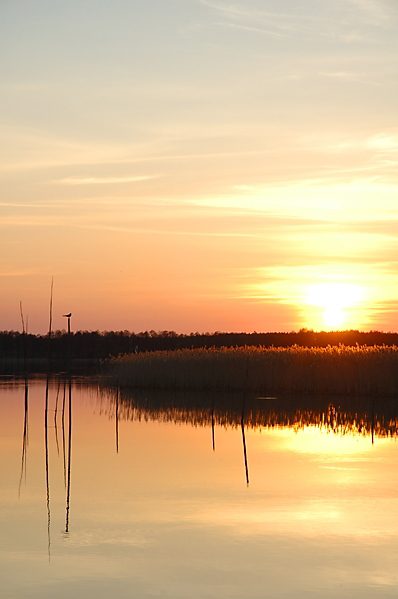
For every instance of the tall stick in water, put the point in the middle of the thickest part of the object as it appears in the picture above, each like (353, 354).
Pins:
(25, 427)
(46, 421)
(50, 325)
(24, 331)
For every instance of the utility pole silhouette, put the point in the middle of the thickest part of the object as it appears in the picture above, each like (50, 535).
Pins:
(68, 316)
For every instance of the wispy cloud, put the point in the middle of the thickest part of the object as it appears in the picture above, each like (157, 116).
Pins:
(384, 142)
(288, 283)
(373, 12)
(26, 272)
(249, 18)
(104, 180)
(341, 21)
(256, 29)
(349, 77)
(357, 201)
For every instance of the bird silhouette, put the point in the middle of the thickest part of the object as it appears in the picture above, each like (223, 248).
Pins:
(67, 315)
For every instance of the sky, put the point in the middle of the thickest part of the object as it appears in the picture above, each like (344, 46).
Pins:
(199, 165)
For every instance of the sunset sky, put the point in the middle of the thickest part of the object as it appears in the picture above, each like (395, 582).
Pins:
(199, 165)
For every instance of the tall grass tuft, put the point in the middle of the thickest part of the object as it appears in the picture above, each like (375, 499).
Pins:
(345, 370)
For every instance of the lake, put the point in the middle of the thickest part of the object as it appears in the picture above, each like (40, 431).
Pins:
(147, 495)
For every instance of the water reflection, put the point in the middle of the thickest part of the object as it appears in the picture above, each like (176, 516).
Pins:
(66, 382)
(47, 471)
(365, 416)
(25, 437)
(69, 469)
(160, 484)
(338, 416)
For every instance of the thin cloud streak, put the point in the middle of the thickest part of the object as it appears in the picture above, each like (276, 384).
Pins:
(312, 26)
(104, 180)
(376, 11)
(255, 29)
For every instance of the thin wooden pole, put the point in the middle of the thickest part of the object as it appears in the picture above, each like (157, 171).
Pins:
(50, 325)
(24, 332)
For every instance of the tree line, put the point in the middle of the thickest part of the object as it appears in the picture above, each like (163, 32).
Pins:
(96, 345)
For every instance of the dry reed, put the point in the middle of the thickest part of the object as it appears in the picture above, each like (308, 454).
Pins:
(347, 370)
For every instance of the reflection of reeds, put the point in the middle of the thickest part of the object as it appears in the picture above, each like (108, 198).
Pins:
(331, 414)
(345, 370)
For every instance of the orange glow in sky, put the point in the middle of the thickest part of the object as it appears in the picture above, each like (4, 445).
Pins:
(334, 299)
(199, 166)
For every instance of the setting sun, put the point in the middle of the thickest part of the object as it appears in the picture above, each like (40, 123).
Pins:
(182, 191)
(334, 299)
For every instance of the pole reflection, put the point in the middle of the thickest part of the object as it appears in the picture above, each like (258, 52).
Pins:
(47, 471)
(25, 438)
(67, 516)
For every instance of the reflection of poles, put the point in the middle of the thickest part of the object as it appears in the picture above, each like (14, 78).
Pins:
(242, 421)
(25, 426)
(69, 456)
(63, 432)
(244, 442)
(245, 453)
(117, 418)
(55, 418)
(25, 437)
(47, 471)
(213, 435)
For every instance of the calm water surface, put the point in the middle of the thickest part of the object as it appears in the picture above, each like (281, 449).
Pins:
(155, 502)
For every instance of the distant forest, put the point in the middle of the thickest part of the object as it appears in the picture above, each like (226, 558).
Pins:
(95, 345)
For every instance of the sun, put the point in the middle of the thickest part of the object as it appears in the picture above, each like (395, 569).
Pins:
(333, 316)
(335, 299)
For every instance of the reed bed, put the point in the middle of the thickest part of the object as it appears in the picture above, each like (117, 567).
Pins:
(342, 370)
